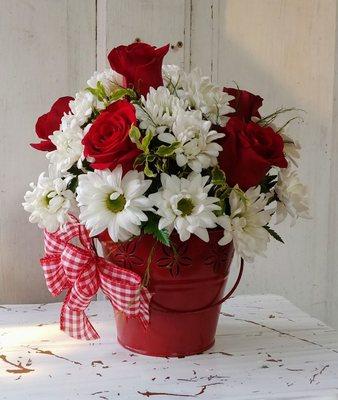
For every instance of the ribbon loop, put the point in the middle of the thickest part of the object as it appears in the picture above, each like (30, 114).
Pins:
(55, 277)
(83, 272)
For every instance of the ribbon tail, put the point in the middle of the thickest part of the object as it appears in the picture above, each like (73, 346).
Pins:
(145, 298)
(124, 290)
(76, 323)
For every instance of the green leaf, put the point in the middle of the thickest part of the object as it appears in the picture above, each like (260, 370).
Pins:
(150, 158)
(92, 91)
(161, 165)
(273, 233)
(218, 177)
(167, 151)
(146, 141)
(162, 235)
(131, 93)
(121, 93)
(139, 160)
(99, 92)
(135, 136)
(151, 227)
(147, 171)
(220, 203)
(118, 94)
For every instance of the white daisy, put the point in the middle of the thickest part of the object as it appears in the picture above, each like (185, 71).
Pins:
(203, 95)
(82, 106)
(109, 201)
(184, 205)
(109, 78)
(158, 110)
(49, 202)
(292, 196)
(68, 144)
(197, 147)
(245, 224)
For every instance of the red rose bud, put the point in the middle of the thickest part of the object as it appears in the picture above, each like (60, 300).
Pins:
(108, 141)
(49, 123)
(249, 151)
(140, 64)
(245, 104)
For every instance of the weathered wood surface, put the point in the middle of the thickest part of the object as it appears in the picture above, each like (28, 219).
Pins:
(266, 348)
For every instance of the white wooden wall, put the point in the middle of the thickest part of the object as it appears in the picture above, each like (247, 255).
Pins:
(285, 50)
(47, 50)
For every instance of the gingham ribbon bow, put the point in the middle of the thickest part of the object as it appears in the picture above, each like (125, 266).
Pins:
(83, 272)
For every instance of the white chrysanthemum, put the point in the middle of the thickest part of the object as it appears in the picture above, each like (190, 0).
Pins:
(197, 147)
(292, 196)
(172, 77)
(109, 201)
(82, 106)
(184, 205)
(69, 121)
(245, 225)
(203, 95)
(158, 110)
(109, 78)
(68, 144)
(49, 202)
(291, 148)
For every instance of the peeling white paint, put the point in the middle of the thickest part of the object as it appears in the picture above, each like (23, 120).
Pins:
(266, 348)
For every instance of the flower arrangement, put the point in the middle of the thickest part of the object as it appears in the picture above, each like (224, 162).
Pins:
(148, 148)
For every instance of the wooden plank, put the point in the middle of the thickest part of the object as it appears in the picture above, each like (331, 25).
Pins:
(333, 205)
(266, 348)
(48, 51)
(204, 35)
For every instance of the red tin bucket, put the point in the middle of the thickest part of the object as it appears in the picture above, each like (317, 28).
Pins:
(188, 286)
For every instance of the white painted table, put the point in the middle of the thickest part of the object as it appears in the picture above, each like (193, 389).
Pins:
(266, 348)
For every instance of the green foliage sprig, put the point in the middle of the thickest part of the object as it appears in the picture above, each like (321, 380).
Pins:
(151, 228)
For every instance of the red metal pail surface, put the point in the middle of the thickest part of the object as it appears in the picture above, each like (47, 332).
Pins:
(192, 278)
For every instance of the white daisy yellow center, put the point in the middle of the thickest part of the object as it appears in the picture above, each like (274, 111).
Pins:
(186, 206)
(115, 204)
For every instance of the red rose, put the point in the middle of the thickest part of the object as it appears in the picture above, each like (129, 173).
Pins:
(107, 140)
(140, 64)
(246, 104)
(249, 151)
(50, 122)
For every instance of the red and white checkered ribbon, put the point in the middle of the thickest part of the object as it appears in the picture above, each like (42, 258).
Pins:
(80, 270)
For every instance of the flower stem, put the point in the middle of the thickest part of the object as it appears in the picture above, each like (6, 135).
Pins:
(146, 276)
